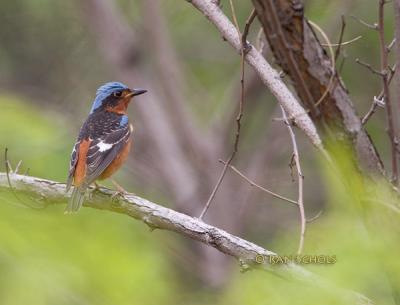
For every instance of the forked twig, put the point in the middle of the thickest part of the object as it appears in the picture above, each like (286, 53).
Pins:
(369, 67)
(378, 100)
(244, 49)
(252, 183)
(8, 171)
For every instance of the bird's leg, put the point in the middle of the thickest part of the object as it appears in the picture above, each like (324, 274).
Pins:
(119, 189)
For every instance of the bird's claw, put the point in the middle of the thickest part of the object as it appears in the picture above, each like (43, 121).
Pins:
(93, 190)
(118, 194)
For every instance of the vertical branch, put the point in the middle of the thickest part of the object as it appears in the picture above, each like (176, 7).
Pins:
(396, 4)
(388, 103)
(300, 183)
(241, 102)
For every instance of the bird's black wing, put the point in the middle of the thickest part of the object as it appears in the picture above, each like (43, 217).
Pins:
(104, 150)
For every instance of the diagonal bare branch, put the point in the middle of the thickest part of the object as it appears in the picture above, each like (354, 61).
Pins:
(268, 75)
(155, 216)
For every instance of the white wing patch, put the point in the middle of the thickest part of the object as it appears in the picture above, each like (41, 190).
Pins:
(104, 146)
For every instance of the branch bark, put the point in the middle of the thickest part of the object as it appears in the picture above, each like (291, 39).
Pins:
(248, 254)
(396, 5)
(301, 56)
(268, 75)
(390, 115)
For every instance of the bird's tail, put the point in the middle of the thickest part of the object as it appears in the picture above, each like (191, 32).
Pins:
(76, 200)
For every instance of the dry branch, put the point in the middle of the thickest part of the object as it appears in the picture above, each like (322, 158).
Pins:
(396, 5)
(390, 115)
(298, 51)
(241, 103)
(48, 192)
(268, 75)
(300, 178)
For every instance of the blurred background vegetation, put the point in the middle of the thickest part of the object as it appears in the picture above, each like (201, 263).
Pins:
(52, 63)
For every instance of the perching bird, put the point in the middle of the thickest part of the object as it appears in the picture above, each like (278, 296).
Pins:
(103, 143)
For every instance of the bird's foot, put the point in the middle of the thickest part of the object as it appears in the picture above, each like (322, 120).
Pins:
(120, 191)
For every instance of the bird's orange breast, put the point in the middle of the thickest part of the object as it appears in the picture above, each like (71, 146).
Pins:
(117, 162)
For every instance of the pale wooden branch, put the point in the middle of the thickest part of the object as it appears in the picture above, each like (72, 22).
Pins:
(300, 178)
(248, 254)
(268, 75)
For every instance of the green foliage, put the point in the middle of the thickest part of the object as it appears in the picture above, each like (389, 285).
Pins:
(33, 137)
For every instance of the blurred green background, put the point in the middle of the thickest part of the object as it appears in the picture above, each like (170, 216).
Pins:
(51, 64)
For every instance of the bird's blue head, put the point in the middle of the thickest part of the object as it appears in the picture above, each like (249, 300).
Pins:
(113, 94)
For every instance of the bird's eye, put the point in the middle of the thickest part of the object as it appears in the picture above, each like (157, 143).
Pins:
(117, 93)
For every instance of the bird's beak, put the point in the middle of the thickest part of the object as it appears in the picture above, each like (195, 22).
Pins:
(135, 92)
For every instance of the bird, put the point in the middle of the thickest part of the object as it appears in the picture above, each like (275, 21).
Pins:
(103, 143)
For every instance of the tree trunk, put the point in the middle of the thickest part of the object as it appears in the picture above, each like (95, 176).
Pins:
(299, 53)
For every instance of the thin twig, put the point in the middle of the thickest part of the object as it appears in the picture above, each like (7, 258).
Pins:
(300, 183)
(340, 43)
(259, 41)
(344, 43)
(390, 46)
(333, 62)
(369, 67)
(370, 26)
(385, 83)
(378, 100)
(17, 167)
(252, 183)
(375, 103)
(10, 170)
(241, 102)
(315, 217)
(247, 26)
